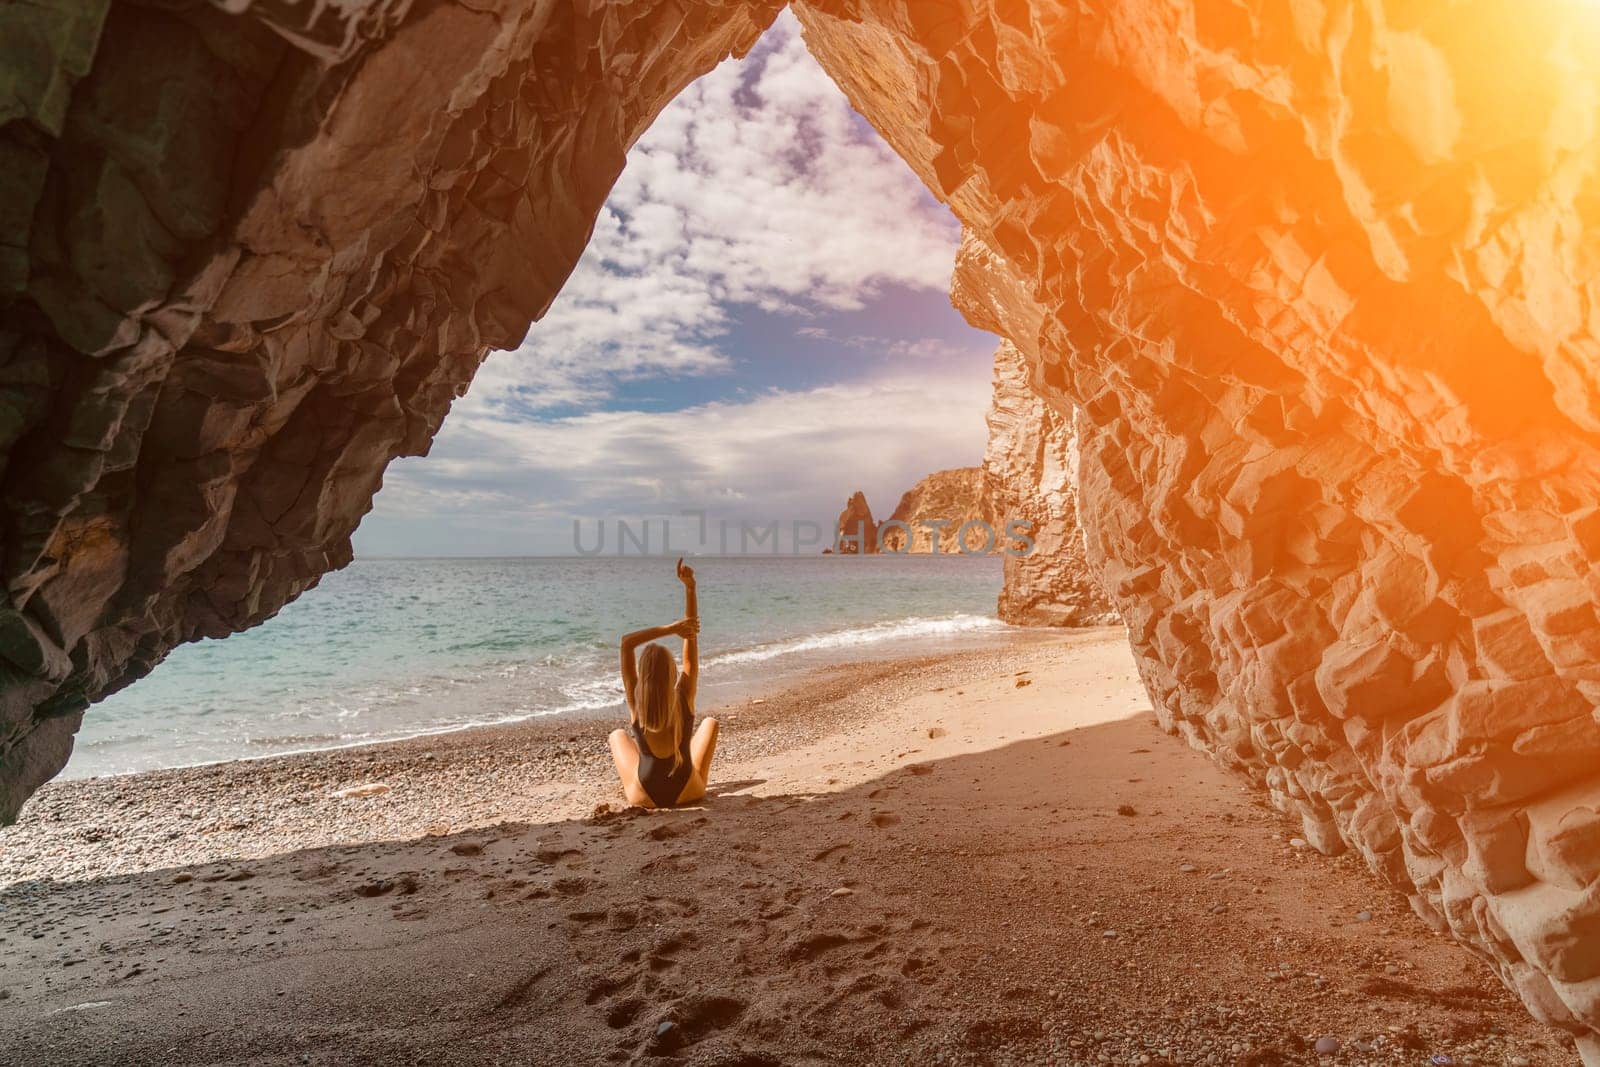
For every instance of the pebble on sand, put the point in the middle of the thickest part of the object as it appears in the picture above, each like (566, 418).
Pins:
(370, 789)
(1327, 1045)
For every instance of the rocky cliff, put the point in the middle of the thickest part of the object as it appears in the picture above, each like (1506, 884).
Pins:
(932, 514)
(1319, 278)
(1337, 366)
(1030, 471)
(939, 507)
(856, 532)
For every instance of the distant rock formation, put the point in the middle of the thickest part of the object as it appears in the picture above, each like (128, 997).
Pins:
(1029, 476)
(1030, 468)
(943, 503)
(856, 531)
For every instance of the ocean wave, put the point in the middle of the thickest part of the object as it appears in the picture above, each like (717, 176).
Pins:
(894, 630)
(308, 742)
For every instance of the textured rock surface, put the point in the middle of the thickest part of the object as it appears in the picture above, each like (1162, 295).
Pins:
(1031, 474)
(1320, 277)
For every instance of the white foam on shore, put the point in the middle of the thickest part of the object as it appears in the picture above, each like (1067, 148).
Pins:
(898, 629)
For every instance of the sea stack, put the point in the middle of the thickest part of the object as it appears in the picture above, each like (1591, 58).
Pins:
(857, 531)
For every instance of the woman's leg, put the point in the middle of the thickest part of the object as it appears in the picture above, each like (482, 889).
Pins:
(625, 754)
(702, 747)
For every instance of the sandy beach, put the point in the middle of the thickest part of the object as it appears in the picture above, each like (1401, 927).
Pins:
(993, 857)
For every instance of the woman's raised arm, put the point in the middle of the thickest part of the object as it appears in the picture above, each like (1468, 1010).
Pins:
(691, 640)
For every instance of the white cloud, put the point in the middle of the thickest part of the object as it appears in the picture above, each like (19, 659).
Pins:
(759, 187)
(784, 455)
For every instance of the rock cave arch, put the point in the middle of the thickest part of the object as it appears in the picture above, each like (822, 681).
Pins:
(1320, 279)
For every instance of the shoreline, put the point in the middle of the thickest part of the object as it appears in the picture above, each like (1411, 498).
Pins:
(546, 765)
(991, 857)
(394, 649)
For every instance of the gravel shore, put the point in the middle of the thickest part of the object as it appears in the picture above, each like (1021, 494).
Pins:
(988, 858)
(538, 770)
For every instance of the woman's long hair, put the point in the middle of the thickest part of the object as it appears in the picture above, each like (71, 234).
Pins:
(657, 696)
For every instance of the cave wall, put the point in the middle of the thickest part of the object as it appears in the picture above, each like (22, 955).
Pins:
(1030, 461)
(1030, 470)
(252, 254)
(1319, 277)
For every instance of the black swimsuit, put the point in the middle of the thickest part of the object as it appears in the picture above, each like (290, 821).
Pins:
(663, 784)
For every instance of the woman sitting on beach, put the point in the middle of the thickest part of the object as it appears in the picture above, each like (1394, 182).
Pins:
(662, 759)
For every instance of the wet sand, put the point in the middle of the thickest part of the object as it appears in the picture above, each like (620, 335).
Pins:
(994, 857)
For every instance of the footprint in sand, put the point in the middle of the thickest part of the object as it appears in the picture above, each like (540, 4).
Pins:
(808, 948)
(663, 953)
(551, 854)
(692, 1020)
(672, 862)
(406, 885)
(667, 831)
(609, 984)
(622, 1013)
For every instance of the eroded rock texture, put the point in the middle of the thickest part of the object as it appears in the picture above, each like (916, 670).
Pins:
(1031, 459)
(1321, 279)
(1030, 470)
(1319, 276)
(247, 260)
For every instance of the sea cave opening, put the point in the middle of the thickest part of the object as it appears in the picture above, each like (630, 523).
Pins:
(759, 332)
(1296, 306)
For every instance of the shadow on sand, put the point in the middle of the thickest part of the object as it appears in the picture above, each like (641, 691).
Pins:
(991, 907)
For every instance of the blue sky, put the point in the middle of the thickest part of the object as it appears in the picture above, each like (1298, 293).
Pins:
(759, 327)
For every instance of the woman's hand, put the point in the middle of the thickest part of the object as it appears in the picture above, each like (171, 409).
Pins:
(685, 628)
(685, 573)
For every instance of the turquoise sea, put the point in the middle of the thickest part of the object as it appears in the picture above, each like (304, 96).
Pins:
(391, 648)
